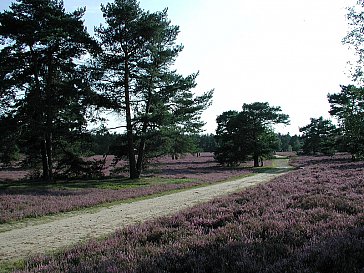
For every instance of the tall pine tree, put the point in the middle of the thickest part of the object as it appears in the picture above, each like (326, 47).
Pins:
(42, 86)
(139, 49)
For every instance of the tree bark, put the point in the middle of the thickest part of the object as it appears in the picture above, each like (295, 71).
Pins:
(133, 172)
(45, 160)
(49, 101)
(49, 151)
(255, 152)
(141, 151)
(256, 160)
(39, 108)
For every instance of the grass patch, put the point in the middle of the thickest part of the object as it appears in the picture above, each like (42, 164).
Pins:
(111, 184)
(273, 166)
(270, 170)
(120, 184)
(10, 266)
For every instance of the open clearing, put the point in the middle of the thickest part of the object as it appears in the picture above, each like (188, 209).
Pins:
(38, 237)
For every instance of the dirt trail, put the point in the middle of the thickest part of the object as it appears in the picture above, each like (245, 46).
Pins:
(44, 237)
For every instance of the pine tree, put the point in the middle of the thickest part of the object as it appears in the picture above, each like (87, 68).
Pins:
(42, 86)
(139, 49)
(348, 107)
(319, 137)
(248, 133)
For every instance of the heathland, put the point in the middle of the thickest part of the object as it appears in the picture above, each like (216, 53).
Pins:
(307, 220)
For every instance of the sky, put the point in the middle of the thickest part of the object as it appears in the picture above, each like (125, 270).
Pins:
(285, 52)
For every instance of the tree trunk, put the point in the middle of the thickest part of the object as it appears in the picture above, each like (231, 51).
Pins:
(141, 151)
(48, 111)
(256, 160)
(39, 108)
(49, 150)
(45, 160)
(255, 153)
(261, 162)
(133, 172)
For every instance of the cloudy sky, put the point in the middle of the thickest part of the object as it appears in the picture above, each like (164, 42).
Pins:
(285, 52)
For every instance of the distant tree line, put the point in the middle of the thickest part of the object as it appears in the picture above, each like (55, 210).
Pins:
(288, 143)
(108, 144)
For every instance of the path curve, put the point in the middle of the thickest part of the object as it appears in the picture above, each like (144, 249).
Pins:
(42, 238)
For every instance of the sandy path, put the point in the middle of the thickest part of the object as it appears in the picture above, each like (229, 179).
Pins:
(41, 238)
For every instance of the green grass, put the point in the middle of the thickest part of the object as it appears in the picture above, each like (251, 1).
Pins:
(119, 184)
(114, 184)
(274, 165)
(9, 266)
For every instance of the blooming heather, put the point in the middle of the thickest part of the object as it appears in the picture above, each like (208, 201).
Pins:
(310, 220)
(16, 204)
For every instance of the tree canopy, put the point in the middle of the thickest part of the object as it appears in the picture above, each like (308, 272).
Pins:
(49, 87)
(288, 143)
(248, 133)
(42, 86)
(354, 39)
(138, 50)
(348, 107)
(319, 137)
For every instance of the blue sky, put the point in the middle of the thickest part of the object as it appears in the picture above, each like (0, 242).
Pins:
(285, 52)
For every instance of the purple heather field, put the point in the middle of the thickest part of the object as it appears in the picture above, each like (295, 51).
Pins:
(19, 203)
(309, 220)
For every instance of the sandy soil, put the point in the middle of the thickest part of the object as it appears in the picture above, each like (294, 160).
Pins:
(64, 231)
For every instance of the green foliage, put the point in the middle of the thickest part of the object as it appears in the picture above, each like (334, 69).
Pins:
(288, 143)
(170, 142)
(49, 98)
(43, 88)
(138, 50)
(228, 138)
(348, 107)
(354, 39)
(206, 143)
(102, 142)
(247, 134)
(295, 143)
(9, 149)
(319, 137)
